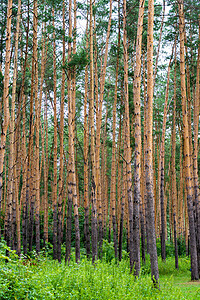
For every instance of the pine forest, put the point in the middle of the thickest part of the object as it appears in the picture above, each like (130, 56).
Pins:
(99, 149)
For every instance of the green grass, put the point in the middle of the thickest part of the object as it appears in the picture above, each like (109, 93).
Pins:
(43, 278)
(180, 278)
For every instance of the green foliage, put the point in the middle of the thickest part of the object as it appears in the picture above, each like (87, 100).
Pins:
(108, 252)
(181, 246)
(168, 267)
(169, 248)
(39, 277)
(6, 254)
(78, 60)
(47, 279)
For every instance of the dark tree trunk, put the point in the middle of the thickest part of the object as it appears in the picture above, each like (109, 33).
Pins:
(94, 223)
(87, 232)
(31, 223)
(59, 230)
(8, 228)
(55, 231)
(162, 207)
(100, 237)
(149, 150)
(146, 224)
(25, 221)
(114, 234)
(127, 242)
(175, 242)
(69, 226)
(187, 154)
(14, 224)
(109, 234)
(121, 233)
(142, 228)
(77, 238)
(136, 222)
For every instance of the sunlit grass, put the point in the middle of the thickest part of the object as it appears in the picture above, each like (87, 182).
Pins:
(44, 278)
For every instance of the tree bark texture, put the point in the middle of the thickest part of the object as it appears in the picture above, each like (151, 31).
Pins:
(149, 147)
(188, 175)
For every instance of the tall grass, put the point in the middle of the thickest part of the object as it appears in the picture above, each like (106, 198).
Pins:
(43, 278)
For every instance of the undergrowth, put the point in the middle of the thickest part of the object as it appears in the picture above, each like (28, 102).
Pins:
(43, 278)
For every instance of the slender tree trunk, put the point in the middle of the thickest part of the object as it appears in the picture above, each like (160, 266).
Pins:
(24, 158)
(93, 160)
(12, 196)
(148, 137)
(72, 146)
(189, 101)
(69, 202)
(119, 178)
(46, 171)
(43, 159)
(156, 200)
(37, 138)
(144, 151)
(54, 191)
(31, 172)
(61, 181)
(159, 43)
(188, 175)
(162, 165)
(123, 197)
(5, 124)
(16, 177)
(195, 154)
(174, 191)
(64, 201)
(103, 175)
(142, 219)
(127, 140)
(86, 149)
(180, 193)
(113, 166)
(99, 122)
(137, 161)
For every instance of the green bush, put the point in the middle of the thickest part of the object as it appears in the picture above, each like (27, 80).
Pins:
(43, 278)
(47, 279)
(108, 252)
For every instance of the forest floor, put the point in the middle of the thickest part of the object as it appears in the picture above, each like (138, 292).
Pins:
(180, 279)
(43, 278)
(189, 289)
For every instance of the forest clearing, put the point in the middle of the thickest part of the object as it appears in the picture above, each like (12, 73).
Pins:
(99, 149)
